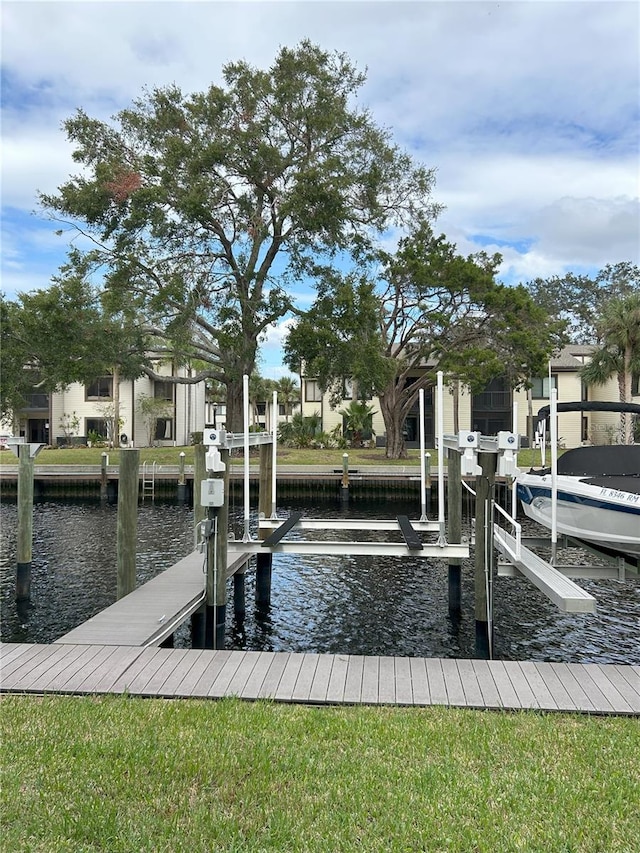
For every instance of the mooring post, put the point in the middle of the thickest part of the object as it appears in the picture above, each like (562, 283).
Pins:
(485, 494)
(127, 527)
(454, 511)
(239, 603)
(344, 491)
(427, 481)
(216, 607)
(24, 544)
(264, 562)
(197, 629)
(198, 618)
(199, 474)
(182, 486)
(103, 475)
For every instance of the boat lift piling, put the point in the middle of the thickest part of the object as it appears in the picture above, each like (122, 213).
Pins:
(26, 454)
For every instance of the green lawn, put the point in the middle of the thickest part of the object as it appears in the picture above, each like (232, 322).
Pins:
(119, 774)
(286, 456)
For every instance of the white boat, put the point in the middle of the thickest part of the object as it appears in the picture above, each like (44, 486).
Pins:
(598, 496)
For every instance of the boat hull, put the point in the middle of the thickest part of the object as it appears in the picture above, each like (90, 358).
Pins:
(598, 514)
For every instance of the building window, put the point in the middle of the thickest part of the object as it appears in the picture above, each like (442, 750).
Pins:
(164, 429)
(100, 389)
(635, 385)
(585, 429)
(163, 390)
(98, 428)
(282, 410)
(347, 389)
(312, 391)
(540, 388)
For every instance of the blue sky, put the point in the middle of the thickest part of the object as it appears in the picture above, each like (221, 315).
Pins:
(528, 111)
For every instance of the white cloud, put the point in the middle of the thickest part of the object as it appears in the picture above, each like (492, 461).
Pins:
(528, 110)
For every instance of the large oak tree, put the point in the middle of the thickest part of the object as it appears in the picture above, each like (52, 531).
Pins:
(423, 309)
(190, 200)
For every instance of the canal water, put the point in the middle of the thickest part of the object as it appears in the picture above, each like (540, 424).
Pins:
(346, 604)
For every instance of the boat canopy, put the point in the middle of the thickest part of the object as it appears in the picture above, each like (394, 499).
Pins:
(614, 460)
(589, 406)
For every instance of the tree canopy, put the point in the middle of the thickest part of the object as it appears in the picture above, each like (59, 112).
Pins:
(65, 334)
(581, 300)
(189, 200)
(618, 353)
(423, 309)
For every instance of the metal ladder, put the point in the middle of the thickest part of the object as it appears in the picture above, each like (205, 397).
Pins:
(148, 480)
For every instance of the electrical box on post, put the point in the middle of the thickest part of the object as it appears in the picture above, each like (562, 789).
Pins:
(466, 438)
(212, 492)
(213, 437)
(508, 440)
(468, 442)
(508, 443)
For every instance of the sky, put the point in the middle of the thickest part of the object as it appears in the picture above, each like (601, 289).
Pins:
(528, 111)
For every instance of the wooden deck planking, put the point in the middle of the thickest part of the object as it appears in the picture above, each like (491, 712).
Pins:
(420, 680)
(272, 676)
(387, 680)
(555, 686)
(152, 611)
(404, 686)
(488, 689)
(520, 683)
(322, 675)
(213, 668)
(254, 682)
(437, 687)
(320, 679)
(370, 679)
(470, 684)
(353, 680)
(304, 681)
(337, 679)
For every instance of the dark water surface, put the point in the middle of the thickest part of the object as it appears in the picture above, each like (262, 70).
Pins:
(355, 605)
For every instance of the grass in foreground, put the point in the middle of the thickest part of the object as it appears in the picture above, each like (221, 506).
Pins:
(120, 774)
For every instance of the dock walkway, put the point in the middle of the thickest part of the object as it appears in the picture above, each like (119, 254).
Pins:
(153, 611)
(319, 678)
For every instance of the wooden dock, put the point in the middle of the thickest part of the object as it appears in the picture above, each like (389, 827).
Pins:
(153, 611)
(320, 679)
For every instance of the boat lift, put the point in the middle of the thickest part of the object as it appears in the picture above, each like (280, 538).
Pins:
(275, 529)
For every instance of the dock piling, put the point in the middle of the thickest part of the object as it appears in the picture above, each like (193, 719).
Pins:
(25, 522)
(454, 508)
(127, 525)
(344, 489)
(216, 606)
(103, 476)
(485, 495)
(264, 561)
(182, 486)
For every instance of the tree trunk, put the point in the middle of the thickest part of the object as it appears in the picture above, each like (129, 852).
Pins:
(624, 388)
(235, 411)
(393, 423)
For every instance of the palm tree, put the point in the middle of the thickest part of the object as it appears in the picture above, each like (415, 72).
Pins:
(260, 389)
(619, 353)
(358, 418)
(288, 393)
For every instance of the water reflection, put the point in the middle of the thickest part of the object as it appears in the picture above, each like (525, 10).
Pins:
(357, 605)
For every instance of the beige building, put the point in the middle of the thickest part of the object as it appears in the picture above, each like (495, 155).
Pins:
(492, 410)
(82, 413)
